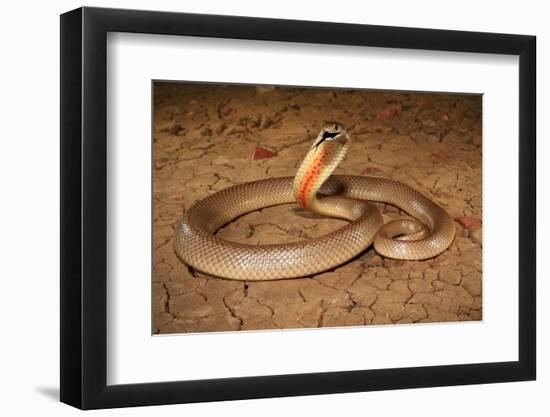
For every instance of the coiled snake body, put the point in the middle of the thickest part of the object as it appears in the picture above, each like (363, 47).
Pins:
(428, 233)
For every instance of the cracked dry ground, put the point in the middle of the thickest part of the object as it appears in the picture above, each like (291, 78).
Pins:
(209, 137)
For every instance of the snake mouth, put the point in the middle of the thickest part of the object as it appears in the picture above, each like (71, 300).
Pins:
(330, 134)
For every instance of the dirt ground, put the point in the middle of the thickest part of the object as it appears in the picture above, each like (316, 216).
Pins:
(209, 137)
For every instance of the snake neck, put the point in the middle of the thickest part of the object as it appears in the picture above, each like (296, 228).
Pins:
(318, 164)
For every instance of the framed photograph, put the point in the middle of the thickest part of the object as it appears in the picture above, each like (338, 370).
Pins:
(259, 208)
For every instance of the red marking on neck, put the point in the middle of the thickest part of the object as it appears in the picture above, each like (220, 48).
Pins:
(312, 175)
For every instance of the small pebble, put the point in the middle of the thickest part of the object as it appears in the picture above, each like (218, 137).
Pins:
(476, 236)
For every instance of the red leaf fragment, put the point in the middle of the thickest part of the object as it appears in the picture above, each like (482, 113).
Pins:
(389, 112)
(384, 114)
(226, 111)
(440, 155)
(262, 153)
(468, 222)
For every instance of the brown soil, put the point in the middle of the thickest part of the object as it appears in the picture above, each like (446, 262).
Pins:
(208, 137)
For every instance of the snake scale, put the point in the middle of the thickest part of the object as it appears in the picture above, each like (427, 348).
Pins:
(428, 232)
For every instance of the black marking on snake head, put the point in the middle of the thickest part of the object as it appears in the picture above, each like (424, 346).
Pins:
(192, 271)
(326, 135)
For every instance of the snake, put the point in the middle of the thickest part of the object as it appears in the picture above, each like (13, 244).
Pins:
(426, 232)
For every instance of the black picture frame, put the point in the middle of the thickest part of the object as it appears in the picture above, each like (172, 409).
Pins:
(84, 207)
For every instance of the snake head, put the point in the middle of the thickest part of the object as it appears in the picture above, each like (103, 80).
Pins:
(331, 132)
